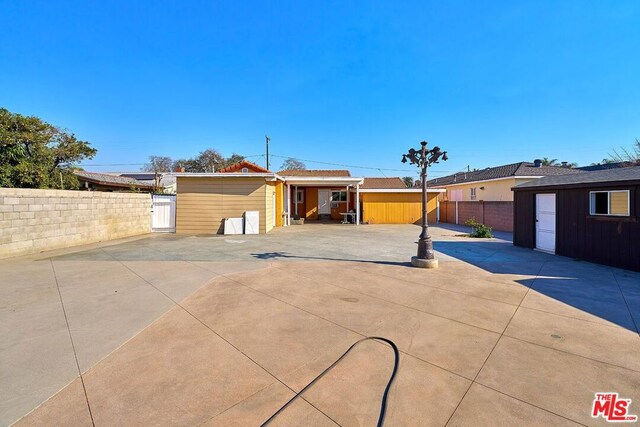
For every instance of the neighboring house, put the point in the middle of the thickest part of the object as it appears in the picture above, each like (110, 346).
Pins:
(127, 181)
(485, 195)
(604, 166)
(592, 216)
(94, 181)
(204, 200)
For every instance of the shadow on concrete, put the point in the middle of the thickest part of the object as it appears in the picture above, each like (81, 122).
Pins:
(285, 255)
(588, 287)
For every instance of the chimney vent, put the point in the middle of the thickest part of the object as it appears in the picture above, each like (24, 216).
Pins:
(564, 164)
(537, 163)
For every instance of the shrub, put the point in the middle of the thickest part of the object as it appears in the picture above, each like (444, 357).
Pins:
(478, 229)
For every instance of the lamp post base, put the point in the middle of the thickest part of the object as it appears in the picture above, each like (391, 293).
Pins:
(424, 263)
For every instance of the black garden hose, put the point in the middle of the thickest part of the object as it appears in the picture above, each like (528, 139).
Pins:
(383, 403)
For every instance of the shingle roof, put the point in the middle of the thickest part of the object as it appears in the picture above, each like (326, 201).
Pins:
(605, 166)
(237, 167)
(314, 172)
(109, 179)
(595, 177)
(504, 171)
(395, 182)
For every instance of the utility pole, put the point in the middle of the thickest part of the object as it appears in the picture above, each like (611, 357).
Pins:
(267, 139)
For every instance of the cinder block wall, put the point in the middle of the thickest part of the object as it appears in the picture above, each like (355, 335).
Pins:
(34, 220)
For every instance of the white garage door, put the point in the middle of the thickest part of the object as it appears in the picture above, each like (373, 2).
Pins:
(546, 222)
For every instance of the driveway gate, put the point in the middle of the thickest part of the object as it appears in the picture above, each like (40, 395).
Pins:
(163, 213)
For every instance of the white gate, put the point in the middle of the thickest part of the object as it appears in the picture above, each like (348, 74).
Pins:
(163, 213)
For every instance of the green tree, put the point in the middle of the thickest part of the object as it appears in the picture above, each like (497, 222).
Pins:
(409, 181)
(235, 158)
(209, 160)
(36, 154)
(549, 162)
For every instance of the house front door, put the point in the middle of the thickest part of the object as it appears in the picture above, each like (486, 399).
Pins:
(324, 202)
(546, 222)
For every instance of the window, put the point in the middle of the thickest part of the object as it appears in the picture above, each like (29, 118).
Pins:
(473, 193)
(338, 196)
(245, 170)
(609, 203)
(300, 196)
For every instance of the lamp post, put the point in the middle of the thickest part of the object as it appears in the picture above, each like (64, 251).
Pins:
(424, 158)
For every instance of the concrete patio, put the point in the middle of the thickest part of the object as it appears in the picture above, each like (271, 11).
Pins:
(213, 330)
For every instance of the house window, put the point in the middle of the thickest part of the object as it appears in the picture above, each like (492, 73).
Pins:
(245, 170)
(300, 196)
(338, 196)
(609, 203)
(473, 193)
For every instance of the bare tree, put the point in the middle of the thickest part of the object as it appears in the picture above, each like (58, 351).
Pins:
(292, 164)
(627, 154)
(158, 164)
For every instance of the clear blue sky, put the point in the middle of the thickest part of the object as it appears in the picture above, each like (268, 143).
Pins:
(334, 81)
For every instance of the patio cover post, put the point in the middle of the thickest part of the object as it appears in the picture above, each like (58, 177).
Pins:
(357, 204)
(288, 209)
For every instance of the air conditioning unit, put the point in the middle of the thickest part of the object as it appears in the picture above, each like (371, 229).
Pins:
(233, 226)
(251, 222)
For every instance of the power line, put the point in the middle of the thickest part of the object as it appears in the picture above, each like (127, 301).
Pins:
(350, 166)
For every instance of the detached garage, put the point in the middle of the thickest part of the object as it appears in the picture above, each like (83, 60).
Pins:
(389, 201)
(591, 216)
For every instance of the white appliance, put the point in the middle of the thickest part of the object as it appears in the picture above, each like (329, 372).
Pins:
(251, 222)
(233, 226)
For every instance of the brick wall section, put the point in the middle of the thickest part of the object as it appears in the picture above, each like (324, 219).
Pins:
(497, 215)
(34, 220)
(468, 210)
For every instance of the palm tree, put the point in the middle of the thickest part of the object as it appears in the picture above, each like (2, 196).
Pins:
(549, 162)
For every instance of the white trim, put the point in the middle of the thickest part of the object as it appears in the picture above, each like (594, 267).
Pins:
(357, 205)
(591, 207)
(323, 180)
(273, 176)
(400, 190)
(485, 180)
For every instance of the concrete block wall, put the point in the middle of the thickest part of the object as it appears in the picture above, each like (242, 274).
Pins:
(34, 220)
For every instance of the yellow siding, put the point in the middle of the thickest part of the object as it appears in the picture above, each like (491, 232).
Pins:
(270, 197)
(494, 191)
(397, 208)
(202, 203)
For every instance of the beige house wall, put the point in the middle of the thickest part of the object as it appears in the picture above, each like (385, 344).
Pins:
(34, 220)
(270, 197)
(494, 191)
(202, 204)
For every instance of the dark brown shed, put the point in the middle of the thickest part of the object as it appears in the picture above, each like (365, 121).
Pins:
(593, 216)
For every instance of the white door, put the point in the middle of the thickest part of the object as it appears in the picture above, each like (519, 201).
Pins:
(324, 202)
(546, 222)
(163, 213)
